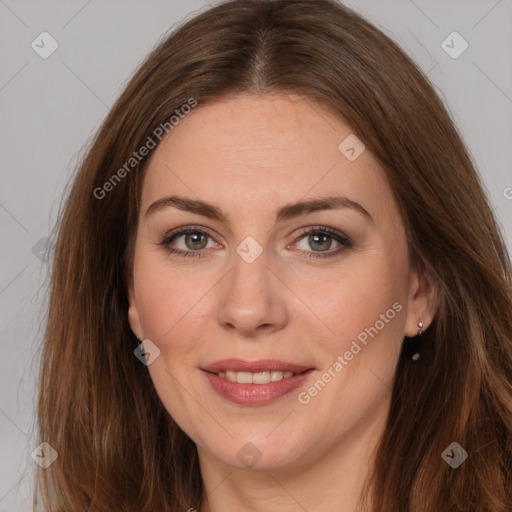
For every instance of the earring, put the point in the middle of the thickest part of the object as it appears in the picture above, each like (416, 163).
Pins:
(416, 356)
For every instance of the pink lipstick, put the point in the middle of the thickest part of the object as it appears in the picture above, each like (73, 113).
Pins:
(257, 382)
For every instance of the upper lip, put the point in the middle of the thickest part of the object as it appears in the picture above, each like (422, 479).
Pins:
(239, 365)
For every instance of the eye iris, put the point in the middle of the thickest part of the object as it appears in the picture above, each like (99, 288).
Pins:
(195, 237)
(315, 238)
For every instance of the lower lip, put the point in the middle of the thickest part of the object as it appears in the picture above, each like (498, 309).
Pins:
(255, 394)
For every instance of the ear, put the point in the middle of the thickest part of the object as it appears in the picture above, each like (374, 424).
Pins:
(421, 302)
(133, 314)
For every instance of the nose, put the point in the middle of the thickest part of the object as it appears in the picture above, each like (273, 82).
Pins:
(253, 298)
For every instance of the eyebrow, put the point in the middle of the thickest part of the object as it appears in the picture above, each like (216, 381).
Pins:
(287, 212)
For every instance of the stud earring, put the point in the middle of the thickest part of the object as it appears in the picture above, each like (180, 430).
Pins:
(416, 356)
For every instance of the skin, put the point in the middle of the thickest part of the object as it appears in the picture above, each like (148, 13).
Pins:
(250, 155)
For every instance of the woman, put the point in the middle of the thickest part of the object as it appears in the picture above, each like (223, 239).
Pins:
(201, 354)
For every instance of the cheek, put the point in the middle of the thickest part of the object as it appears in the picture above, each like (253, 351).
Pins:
(365, 310)
(347, 302)
(164, 296)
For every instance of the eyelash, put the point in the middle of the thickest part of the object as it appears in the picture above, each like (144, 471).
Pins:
(341, 238)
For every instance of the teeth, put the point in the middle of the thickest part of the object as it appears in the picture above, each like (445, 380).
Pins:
(255, 378)
(259, 378)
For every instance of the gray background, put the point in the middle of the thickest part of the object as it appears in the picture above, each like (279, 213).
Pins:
(51, 107)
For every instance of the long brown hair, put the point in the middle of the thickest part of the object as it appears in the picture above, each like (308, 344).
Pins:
(119, 449)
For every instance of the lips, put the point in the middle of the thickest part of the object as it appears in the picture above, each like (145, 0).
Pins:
(255, 383)
(263, 365)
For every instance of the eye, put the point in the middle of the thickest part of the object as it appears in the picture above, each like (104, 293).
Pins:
(321, 238)
(194, 240)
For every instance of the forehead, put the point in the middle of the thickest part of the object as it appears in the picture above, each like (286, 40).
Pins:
(257, 149)
(256, 128)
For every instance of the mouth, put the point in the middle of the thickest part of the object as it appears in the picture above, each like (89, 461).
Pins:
(263, 377)
(257, 382)
(263, 370)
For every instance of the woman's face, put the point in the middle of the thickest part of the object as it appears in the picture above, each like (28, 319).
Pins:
(250, 283)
